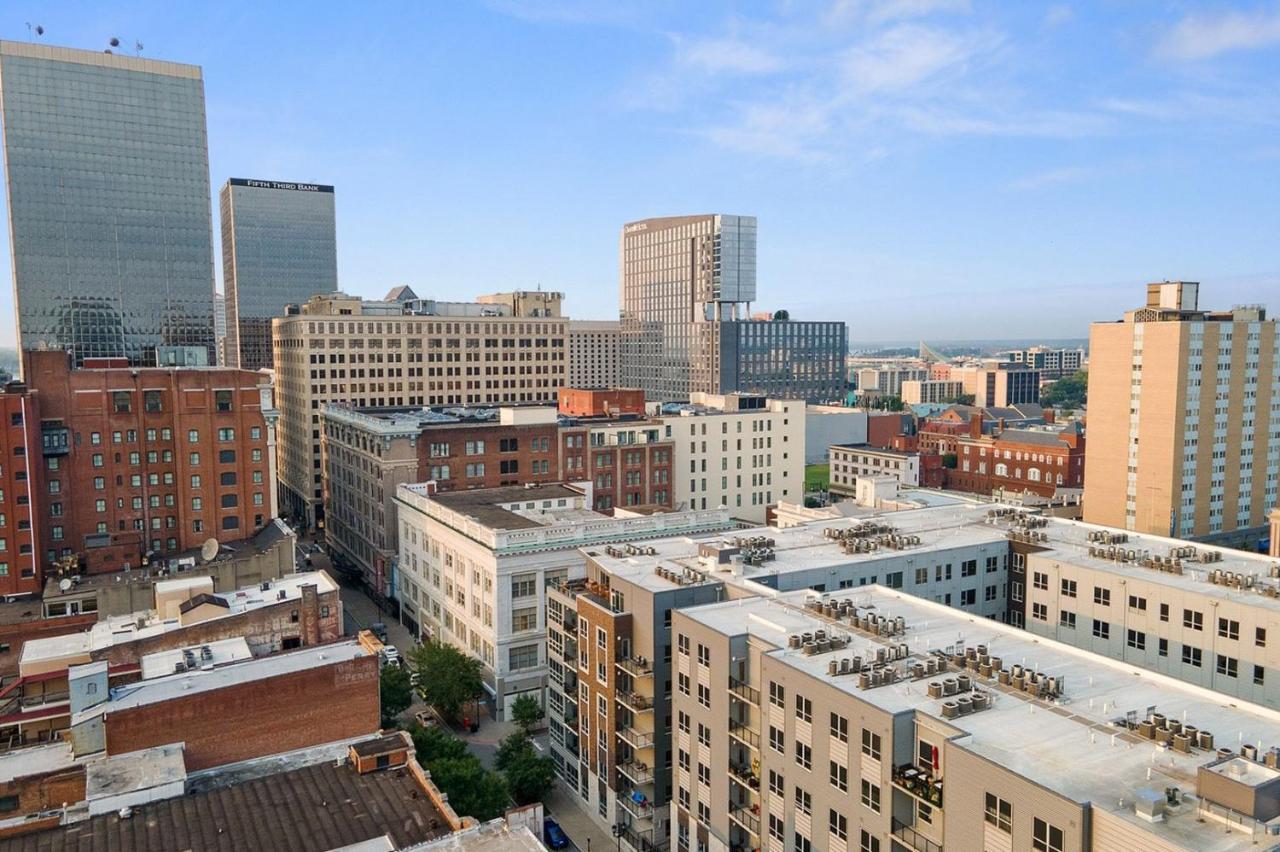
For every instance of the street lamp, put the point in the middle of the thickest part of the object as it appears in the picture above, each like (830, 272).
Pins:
(616, 830)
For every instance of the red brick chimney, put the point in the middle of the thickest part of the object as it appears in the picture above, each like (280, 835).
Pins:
(975, 425)
(1049, 415)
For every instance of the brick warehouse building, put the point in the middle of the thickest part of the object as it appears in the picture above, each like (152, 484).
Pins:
(148, 460)
(19, 445)
(1040, 461)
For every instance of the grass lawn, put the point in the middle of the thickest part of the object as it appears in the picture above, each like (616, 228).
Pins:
(817, 477)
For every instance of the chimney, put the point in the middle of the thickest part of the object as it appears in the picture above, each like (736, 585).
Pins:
(1274, 518)
(975, 425)
(1049, 415)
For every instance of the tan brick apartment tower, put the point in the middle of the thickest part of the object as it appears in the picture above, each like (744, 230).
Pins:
(1184, 419)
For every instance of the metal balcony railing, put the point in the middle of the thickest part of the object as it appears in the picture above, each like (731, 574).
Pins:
(911, 838)
(639, 810)
(742, 774)
(742, 690)
(639, 773)
(636, 666)
(742, 814)
(919, 783)
(742, 733)
(636, 739)
(635, 702)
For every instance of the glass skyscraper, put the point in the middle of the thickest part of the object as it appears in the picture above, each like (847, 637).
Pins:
(278, 248)
(107, 171)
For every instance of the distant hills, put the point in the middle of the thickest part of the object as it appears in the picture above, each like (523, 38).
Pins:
(961, 347)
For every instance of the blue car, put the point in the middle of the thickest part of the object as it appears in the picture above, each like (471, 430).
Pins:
(553, 835)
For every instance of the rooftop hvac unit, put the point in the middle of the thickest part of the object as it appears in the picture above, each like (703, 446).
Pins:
(950, 710)
(793, 641)
(1250, 751)
(864, 680)
(845, 665)
(810, 648)
(833, 668)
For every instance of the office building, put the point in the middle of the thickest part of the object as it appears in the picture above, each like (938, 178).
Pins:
(739, 451)
(1184, 416)
(850, 462)
(405, 351)
(475, 565)
(220, 327)
(137, 464)
(874, 720)
(595, 359)
(997, 384)
(107, 169)
(888, 381)
(1051, 363)
(687, 284)
(279, 248)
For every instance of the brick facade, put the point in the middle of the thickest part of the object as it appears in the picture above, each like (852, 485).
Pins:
(148, 460)
(1019, 460)
(601, 402)
(257, 718)
(19, 489)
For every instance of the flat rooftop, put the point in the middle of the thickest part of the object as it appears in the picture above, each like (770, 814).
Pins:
(173, 686)
(1074, 745)
(875, 451)
(120, 629)
(316, 808)
(506, 507)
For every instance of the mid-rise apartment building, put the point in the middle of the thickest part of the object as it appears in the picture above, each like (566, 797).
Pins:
(917, 391)
(1184, 410)
(143, 463)
(686, 286)
(279, 247)
(595, 359)
(874, 720)
(368, 453)
(851, 461)
(405, 351)
(889, 381)
(20, 562)
(1052, 363)
(475, 566)
(740, 451)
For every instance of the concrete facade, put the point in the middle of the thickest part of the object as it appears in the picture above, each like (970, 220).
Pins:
(595, 359)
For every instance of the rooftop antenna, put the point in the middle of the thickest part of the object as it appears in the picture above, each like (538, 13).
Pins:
(34, 31)
(137, 47)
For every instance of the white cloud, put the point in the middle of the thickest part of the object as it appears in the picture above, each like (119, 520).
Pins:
(1053, 177)
(1207, 36)
(906, 55)
(728, 55)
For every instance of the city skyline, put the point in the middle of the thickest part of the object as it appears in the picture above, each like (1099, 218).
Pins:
(870, 132)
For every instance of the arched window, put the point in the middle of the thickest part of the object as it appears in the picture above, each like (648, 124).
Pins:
(1002, 470)
(1059, 479)
(1034, 474)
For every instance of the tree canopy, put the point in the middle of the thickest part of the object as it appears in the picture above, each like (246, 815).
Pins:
(447, 678)
(1068, 392)
(527, 712)
(396, 693)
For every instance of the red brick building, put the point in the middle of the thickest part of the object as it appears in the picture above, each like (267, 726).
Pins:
(139, 461)
(19, 490)
(1039, 461)
(247, 710)
(627, 461)
(601, 402)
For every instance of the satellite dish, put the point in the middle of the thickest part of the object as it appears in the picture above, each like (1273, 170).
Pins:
(209, 550)
(65, 584)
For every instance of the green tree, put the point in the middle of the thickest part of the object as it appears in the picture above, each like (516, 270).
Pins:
(435, 743)
(473, 790)
(527, 712)
(513, 747)
(447, 678)
(396, 693)
(529, 776)
(1068, 392)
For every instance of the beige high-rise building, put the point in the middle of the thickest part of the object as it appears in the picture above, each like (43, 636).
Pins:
(1184, 419)
(502, 348)
(594, 359)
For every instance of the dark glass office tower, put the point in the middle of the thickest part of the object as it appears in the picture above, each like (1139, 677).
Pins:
(278, 248)
(107, 171)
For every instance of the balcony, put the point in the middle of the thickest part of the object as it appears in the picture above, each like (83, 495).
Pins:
(743, 734)
(570, 652)
(639, 773)
(912, 839)
(636, 739)
(742, 774)
(643, 842)
(747, 816)
(919, 783)
(745, 692)
(636, 666)
(635, 702)
(636, 804)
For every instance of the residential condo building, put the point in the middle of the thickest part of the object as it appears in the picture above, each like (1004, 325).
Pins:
(279, 248)
(107, 169)
(1184, 419)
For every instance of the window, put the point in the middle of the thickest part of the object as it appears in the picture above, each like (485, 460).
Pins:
(226, 456)
(777, 740)
(1164, 612)
(776, 827)
(1136, 639)
(682, 683)
(968, 597)
(525, 618)
(838, 825)
(524, 585)
(226, 434)
(1137, 603)
(1045, 837)
(1191, 656)
(121, 402)
(1101, 629)
(1193, 619)
(704, 695)
(522, 657)
(1068, 588)
(804, 756)
(704, 655)
(839, 776)
(871, 744)
(999, 813)
(777, 783)
(222, 400)
(1101, 596)
(1040, 580)
(777, 694)
(1228, 628)
(969, 568)
(804, 709)
(1067, 618)
(1164, 647)
(1040, 611)
(868, 842)
(1260, 637)
(871, 795)
(840, 728)
(804, 802)
(193, 436)
(1228, 666)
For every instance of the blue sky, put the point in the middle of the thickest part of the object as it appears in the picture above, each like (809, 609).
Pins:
(920, 168)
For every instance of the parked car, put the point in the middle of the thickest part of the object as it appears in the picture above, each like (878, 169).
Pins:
(391, 656)
(427, 718)
(553, 835)
(380, 630)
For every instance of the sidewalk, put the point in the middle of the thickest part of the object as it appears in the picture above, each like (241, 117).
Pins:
(582, 830)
